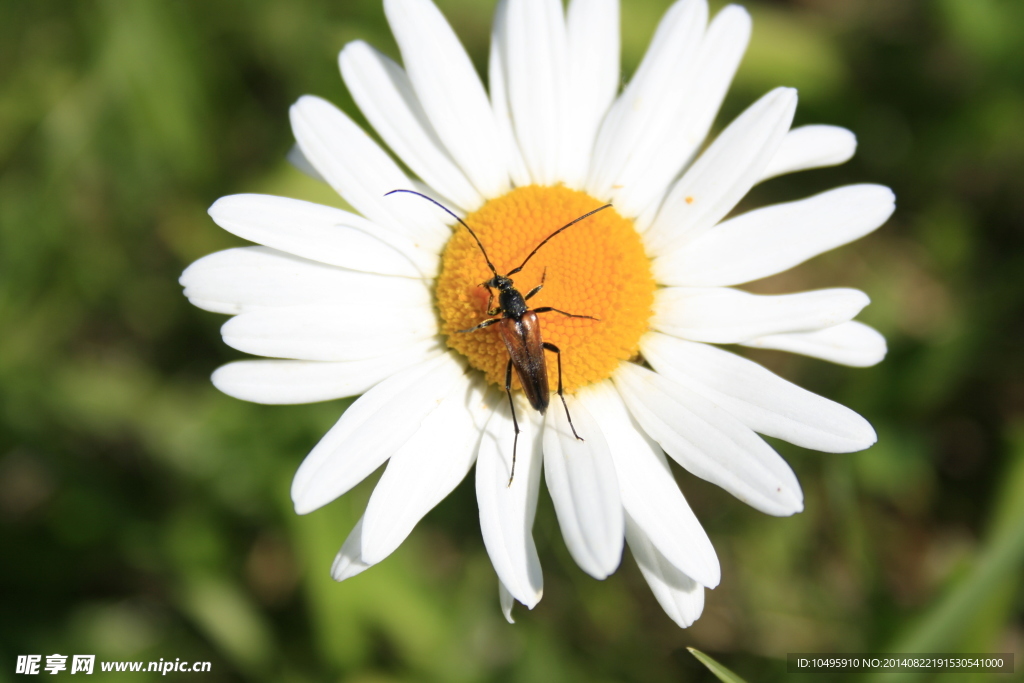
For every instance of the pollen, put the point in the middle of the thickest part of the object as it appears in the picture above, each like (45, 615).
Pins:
(596, 268)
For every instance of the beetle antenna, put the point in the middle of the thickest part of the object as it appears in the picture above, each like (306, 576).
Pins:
(546, 239)
(478, 242)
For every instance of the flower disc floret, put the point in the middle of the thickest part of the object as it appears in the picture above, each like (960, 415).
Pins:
(597, 267)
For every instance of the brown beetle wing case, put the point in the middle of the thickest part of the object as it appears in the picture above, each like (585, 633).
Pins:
(525, 347)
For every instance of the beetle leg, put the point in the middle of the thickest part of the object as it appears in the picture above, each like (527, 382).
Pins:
(490, 300)
(547, 309)
(543, 277)
(486, 323)
(515, 422)
(555, 350)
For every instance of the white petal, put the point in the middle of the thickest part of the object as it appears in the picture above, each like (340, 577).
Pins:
(385, 96)
(507, 601)
(851, 343)
(724, 172)
(297, 159)
(361, 172)
(592, 27)
(771, 240)
(323, 234)
(328, 333)
(708, 441)
(497, 75)
(632, 137)
(451, 92)
(758, 397)
(214, 306)
(372, 428)
(681, 597)
(536, 63)
(585, 492)
(721, 51)
(728, 316)
(650, 494)
(349, 561)
(246, 278)
(297, 381)
(811, 147)
(425, 469)
(507, 510)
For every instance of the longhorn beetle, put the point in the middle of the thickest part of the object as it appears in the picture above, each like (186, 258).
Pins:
(520, 329)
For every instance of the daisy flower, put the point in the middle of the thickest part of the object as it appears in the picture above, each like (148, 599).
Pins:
(372, 302)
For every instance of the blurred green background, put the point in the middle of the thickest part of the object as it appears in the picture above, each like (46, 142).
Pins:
(145, 515)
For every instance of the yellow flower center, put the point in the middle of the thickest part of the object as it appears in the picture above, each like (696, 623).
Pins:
(597, 267)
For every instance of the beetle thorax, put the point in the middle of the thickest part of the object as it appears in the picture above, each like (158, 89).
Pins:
(512, 303)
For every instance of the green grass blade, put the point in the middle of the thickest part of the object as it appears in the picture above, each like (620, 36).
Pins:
(723, 674)
(949, 623)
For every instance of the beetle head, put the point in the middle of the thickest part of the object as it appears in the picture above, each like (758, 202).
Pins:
(499, 282)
